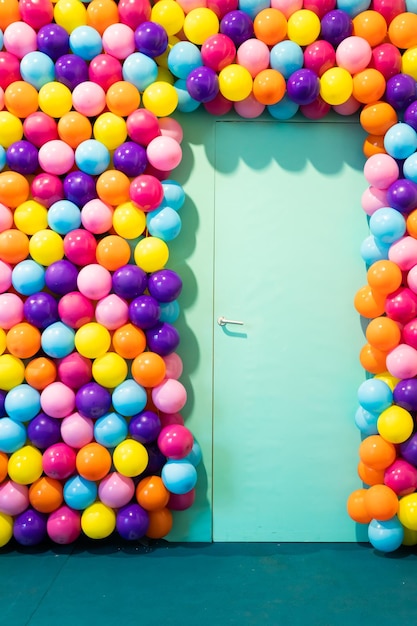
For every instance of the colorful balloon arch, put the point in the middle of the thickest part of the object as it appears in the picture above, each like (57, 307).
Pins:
(91, 434)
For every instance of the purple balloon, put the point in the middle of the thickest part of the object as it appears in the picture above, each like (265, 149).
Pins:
(79, 188)
(145, 427)
(44, 431)
(163, 338)
(41, 309)
(402, 195)
(2, 399)
(156, 460)
(151, 39)
(53, 40)
(303, 86)
(144, 311)
(408, 450)
(405, 394)
(410, 115)
(129, 281)
(130, 158)
(336, 26)
(400, 91)
(92, 400)
(202, 84)
(61, 277)
(29, 528)
(22, 157)
(165, 285)
(132, 522)
(237, 25)
(71, 70)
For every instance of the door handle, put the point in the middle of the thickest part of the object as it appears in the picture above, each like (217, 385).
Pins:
(222, 321)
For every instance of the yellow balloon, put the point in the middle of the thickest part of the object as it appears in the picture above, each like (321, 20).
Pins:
(109, 370)
(110, 129)
(409, 62)
(25, 465)
(2, 340)
(30, 217)
(388, 379)
(12, 372)
(46, 247)
(303, 27)
(130, 458)
(199, 24)
(6, 529)
(168, 14)
(410, 537)
(407, 511)
(165, 75)
(55, 99)
(160, 98)
(336, 86)
(11, 129)
(92, 340)
(151, 254)
(70, 14)
(128, 220)
(162, 59)
(395, 424)
(235, 82)
(98, 521)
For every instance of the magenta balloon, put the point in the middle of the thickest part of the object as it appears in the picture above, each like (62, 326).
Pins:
(386, 58)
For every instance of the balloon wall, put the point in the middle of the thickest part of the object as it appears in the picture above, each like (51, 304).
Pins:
(92, 440)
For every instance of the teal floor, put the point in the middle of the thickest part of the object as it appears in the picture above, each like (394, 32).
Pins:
(91, 584)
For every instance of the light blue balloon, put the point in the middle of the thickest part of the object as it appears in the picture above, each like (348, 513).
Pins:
(174, 194)
(400, 141)
(129, 398)
(110, 430)
(387, 225)
(373, 250)
(85, 42)
(12, 435)
(410, 167)
(179, 477)
(353, 7)
(170, 311)
(164, 223)
(386, 536)
(186, 104)
(22, 403)
(253, 7)
(1, 39)
(140, 70)
(79, 493)
(195, 456)
(64, 216)
(37, 68)
(411, 6)
(366, 422)
(183, 57)
(28, 277)
(285, 109)
(2, 157)
(374, 395)
(92, 157)
(57, 340)
(286, 57)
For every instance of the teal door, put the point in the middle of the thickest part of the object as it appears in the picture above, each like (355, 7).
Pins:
(288, 229)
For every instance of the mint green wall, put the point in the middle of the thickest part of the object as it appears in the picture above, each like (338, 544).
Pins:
(192, 256)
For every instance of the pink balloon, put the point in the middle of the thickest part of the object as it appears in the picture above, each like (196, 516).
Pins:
(167, 419)
(164, 153)
(97, 216)
(374, 199)
(403, 252)
(221, 7)
(75, 309)
(287, 7)
(74, 370)
(57, 400)
(319, 56)
(94, 281)
(402, 361)
(218, 106)
(36, 13)
(146, 192)
(5, 276)
(389, 8)
(249, 108)
(170, 396)
(173, 365)
(401, 477)
(175, 441)
(1, 98)
(64, 525)
(381, 170)
(58, 461)
(112, 311)
(142, 126)
(254, 55)
(353, 54)
(347, 108)
(316, 110)
(189, 5)
(6, 218)
(118, 40)
(20, 39)
(181, 501)
(218, 51)
(76, 430)
(56, 157)
(170, 128)
(319, 7)
(401, 305)
(47, 189)
(39, 128)
(134, 12)
(89, 98)
(412, 279)
(14, 498)
(11, 310)
(116, 490)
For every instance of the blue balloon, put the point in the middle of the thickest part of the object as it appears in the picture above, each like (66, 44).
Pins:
(164, 223)
(28, 277)
(400, 141)
(64, 216)
(12, 435)
(129, 398)
(22, 403)
(85, 42)
(37, 69)
(386, 536)
(374, 395)
(195, 456)
(373, 250)
(387, 225)
(353, 7)
(285, 109)
(410, 167)
(174, 194)
(366, 422)
(170, 311)
(186, 104)
(179, 476)
(184, 57)
(1, 39)
(3, 157)
(57, 340)
(286, 57)
(140, 70)
(110, 430)
(411, 6)
(92, 157)
(253, 7)
(79, 493)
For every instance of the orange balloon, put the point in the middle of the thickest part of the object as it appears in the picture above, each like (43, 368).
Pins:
(402, 31)
(46, 494)
(269, 86)
(148, 369)
(21, 98)
(384, 276)
(129, 341)
(356, 507)
(14, 189)
(377, 453)
(23, 340)
(370, 25)
(40, 372)
(4, 462)
(160, 523)
(14, 246)
(73, 128)
(112, 252)
(368, 302)
(270, 26)
(412, 224)
(113, 187)
(377, 118)
(368, 85)
(369, 475)
(93, 461)
(381, 502)
(152, 494)
(373, 144)
(373, 360)
(122, 98)
(383, 334)
(101, 14)
(9, 13)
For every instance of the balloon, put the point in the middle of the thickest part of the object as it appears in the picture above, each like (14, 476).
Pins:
(376, 452)
(93, 461)
(130, 458)
(152, 494)
(336, 26)
(29, 527)
(98, 521)
(237, 25)
(132, 522)
(93, 400)
(63, 525)
(199, 24)
(386, 536)
(179, 476)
